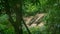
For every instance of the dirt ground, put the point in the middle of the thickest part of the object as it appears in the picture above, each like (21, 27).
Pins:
(39, 16)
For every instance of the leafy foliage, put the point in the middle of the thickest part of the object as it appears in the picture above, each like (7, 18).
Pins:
(32, 7)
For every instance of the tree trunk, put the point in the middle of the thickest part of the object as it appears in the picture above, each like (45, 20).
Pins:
(18, 11)
(18, 24)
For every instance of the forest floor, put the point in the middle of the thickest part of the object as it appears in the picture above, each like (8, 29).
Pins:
(38, 16)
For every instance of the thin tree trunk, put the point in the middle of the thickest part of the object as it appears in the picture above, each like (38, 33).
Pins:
(26, 26)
